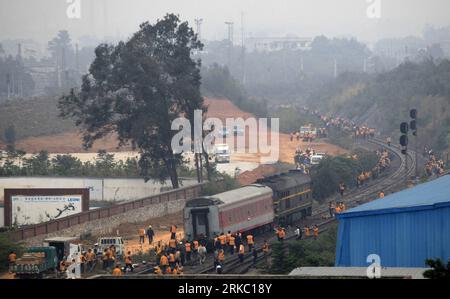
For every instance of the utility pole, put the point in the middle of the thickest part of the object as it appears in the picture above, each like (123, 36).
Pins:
(404, 128)
(413, 126)
(242, 48)
(230, 42)
(198, 25)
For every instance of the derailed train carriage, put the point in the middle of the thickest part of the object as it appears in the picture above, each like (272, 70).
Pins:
(275, 200)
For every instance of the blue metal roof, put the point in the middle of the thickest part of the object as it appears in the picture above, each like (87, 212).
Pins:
(424, 196)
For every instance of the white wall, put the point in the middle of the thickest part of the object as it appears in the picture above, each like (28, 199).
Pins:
(108, 189)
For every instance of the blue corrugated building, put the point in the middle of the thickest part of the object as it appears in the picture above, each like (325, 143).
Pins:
(403, 228)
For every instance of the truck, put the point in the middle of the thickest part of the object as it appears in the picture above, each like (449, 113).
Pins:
(65, 246)
(222, 153)
(308, 133)
(35, 262)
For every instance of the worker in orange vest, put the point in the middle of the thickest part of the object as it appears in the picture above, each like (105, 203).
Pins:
(222, 239)
(12, 257)
(315, 232)
(187, 247)
(250, 242)
(128, 262)
(163, 263)
(173, 231)
(241, 253)
(117, 271)
(141, 236)
(337, 209)
(307, 231)
(231, 244)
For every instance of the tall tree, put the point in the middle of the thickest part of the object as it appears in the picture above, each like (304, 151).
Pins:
(137, 88)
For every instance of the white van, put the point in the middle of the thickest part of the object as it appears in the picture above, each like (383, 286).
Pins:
(106, 242)
(222, 153)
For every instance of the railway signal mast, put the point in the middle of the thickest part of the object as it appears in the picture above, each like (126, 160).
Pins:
(404, 128)
(413, 126)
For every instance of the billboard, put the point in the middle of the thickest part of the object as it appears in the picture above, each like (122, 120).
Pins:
(34, 206)
(28, 210)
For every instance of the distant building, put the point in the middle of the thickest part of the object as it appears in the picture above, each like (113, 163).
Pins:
(269, 44)
(403, 229)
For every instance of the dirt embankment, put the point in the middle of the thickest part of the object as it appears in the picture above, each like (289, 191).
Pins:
(70, 142)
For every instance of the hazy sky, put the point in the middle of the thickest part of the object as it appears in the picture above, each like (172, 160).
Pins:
(41, 19)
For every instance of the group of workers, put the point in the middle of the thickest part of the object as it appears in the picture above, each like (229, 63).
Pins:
(302, 159)
(383, 162)
(363, 132)
(434, 166)
(146, 232)
(306, 232)
(336, 208)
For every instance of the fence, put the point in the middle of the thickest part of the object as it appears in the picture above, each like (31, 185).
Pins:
(84, 217)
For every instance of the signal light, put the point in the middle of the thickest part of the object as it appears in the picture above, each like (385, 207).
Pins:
(404, 128)
(403, 140)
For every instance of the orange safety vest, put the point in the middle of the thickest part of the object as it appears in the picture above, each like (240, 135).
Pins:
(337, 210)
(168, 270)
(127, 259)
(265, 247)
(188, 247)
(307, 231)
(316, 231)
(117, 272)
(172, 243)
(221, 256)
(222, 239)
(173, 229)
(231, 241)
(163, 261)
(90, 256)
(241, 249)
(250, 239)
(195, 245)
(141, 232)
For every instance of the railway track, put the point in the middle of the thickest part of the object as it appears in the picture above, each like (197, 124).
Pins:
(355, 197)
(390, 182)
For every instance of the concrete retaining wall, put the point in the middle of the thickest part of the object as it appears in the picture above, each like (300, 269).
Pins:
(105, 226)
